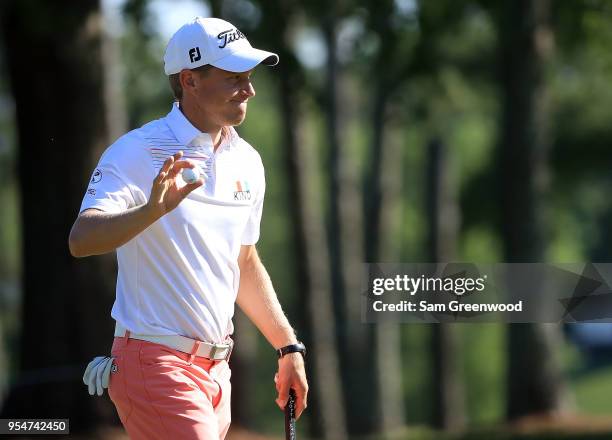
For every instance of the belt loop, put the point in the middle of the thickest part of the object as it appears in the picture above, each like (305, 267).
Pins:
(125, 338)
(194, 350)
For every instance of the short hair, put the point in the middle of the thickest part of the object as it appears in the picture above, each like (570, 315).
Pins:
(175, 80)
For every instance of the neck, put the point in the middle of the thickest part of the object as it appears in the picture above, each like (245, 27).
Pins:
(194, 114)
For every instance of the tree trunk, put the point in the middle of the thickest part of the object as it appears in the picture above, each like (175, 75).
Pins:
(334, 157)
(114, 98)
(443, 219)
(310, 249)
(386, 403)
(526, 44)
(54, 62)
(344, 241)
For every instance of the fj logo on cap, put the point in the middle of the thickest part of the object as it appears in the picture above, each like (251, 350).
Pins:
(194, 54)
(230, 36)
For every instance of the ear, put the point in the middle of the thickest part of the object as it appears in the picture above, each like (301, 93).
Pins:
(188, 81)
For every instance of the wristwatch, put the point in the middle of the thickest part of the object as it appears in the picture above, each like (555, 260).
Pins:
(293, 348)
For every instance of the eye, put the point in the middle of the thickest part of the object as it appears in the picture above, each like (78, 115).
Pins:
(239, 78)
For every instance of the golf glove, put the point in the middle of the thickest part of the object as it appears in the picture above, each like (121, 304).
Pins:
(97, 374)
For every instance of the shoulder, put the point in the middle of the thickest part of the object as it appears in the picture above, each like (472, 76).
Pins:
(125, 150)
(133, 146)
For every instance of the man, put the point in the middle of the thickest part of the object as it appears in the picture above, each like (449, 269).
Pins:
(186, 251)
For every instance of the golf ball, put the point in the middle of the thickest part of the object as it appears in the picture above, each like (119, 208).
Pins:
(191, 175)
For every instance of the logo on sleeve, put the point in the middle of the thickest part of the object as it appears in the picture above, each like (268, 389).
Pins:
(91, 191)
(97, 176)
(242, 190)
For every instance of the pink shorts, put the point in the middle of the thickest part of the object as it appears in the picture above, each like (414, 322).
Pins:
(159, 395)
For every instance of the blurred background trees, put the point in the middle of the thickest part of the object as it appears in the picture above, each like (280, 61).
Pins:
(395, 130)
(56, 81)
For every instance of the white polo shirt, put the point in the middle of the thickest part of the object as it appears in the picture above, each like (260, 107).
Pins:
(181, 275)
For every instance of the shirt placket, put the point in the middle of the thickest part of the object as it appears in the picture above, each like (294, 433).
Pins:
(217, 162)
(207, 164)
(211, 173)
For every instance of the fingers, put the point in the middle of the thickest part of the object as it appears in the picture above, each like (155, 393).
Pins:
(180, 166)
(167, 191)
(106, 374)
(283, 394)
(89, 378)
(301, 393)
(169, 164)
(160, 177)
(99, 374)
(301, 401)
(190, 187)
(90, 367)
(172, 167)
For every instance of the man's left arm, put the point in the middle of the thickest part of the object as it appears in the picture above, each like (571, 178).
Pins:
(257, 299)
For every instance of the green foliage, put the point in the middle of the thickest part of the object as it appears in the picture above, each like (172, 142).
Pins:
(592, 391)
(484, 370)
(417, 374)
(148, 94)
(10, 232)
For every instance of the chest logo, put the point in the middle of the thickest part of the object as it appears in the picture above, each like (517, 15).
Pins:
(242, 191)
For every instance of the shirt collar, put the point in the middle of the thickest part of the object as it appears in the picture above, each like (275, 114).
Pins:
(190, 136)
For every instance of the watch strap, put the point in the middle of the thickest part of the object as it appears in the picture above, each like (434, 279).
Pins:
(292, 348)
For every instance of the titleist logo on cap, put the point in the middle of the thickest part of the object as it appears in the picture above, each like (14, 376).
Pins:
(230, 36)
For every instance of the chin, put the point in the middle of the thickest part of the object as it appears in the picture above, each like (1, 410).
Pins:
(236, 121)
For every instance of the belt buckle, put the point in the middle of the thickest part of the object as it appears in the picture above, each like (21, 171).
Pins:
(213, 352)
(216, 348)
(229, 350)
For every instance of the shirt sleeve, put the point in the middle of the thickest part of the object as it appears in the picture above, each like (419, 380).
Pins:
(116, 184)
(251, 231)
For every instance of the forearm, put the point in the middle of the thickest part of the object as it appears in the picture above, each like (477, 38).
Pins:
(257, 299)
(96, 232)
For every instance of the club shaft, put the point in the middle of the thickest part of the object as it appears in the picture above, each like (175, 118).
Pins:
(290, 417)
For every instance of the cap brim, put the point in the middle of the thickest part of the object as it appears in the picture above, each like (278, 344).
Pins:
(247, 59)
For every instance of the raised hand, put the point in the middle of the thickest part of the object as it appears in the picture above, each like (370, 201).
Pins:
(168, 191)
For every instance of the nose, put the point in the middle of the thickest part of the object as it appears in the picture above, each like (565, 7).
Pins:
(248, 90)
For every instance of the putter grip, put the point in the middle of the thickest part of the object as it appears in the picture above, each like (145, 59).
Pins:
(290, 417)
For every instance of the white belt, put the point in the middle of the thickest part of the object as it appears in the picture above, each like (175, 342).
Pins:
(215, 352)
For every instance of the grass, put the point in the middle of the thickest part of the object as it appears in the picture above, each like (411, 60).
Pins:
(593, 392)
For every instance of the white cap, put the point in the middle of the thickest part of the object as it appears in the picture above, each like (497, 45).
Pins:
(216, 42)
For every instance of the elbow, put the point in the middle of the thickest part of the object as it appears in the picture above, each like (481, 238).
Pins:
(75, 244)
